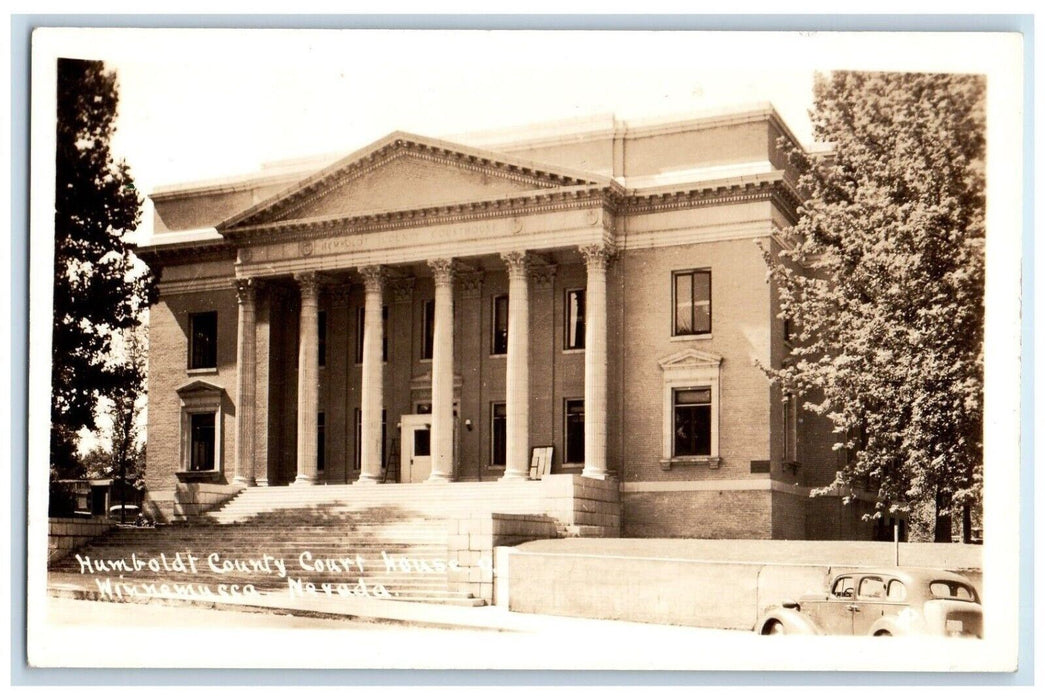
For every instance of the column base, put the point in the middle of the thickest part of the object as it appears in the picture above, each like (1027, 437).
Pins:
(303, 480)
(368, 479)
(594, 474)
(244, 480)
(515, 477)
(438, 479)
(262, 482)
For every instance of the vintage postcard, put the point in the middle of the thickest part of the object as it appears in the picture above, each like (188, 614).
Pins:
(525, 350)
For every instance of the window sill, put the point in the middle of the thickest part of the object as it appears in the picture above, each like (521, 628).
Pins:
(573, 351)
(709, 462)
(499, 356)
(696, 336)
(212, 476)
(202, 371)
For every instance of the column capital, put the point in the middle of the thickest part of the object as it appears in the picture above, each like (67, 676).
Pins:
(339, 295)
(517, 263)
(443, 270)
(374, 277)
(597, 255)
(543, 275)
(402, 289)
(246, 290)
(308, 282)
(471, 283)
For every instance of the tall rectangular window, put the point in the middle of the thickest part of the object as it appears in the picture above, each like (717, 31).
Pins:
(203, 440)
(361, 325)
(692, 409)
(499, 341)
(498, 434)
(428, 330)
(692, 292)
(322, 324)
(203, 340)
(574, 316)
(359, 437)
(574, 432)
(321, 441)
(790, 429)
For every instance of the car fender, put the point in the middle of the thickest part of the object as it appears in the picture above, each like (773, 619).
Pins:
(907, 622)
(795, 621)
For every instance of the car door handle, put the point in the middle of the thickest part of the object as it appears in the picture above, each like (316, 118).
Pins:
(853, 608)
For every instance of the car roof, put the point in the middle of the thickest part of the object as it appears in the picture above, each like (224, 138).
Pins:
(909, 574)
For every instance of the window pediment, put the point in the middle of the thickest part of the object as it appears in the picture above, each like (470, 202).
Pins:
(690, 359)
(199, 389)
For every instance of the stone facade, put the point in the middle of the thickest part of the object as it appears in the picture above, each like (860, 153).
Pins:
(435, 310)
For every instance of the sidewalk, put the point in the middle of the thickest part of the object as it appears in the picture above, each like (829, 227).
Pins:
(361, 609)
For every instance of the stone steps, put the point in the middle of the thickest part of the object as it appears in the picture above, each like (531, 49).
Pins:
(415, 541)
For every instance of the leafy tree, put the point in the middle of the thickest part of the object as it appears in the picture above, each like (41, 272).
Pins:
(98, 291)
(882, 282)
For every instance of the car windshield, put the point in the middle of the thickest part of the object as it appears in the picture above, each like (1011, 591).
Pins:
(952, 590)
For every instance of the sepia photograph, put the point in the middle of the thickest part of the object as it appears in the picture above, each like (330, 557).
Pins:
(614, 350)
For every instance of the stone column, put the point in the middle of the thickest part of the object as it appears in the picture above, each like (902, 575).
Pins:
(246, 369)
(308, 377)
(517, 394)
(372, 389)
(596, 257)
(443, 372)
(265, 437)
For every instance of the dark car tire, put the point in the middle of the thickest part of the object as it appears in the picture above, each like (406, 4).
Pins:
(774, 627)
(883, 633)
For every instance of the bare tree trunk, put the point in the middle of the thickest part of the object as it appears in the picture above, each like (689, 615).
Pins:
(967, 523)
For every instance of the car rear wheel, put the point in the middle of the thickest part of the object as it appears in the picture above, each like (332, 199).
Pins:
(774, 627)
(883, 633)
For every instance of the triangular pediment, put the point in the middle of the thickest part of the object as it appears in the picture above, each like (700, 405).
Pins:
(199, 387)
(403, 172)
(690, 358)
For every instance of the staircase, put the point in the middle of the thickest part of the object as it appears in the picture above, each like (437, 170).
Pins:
(373, 540)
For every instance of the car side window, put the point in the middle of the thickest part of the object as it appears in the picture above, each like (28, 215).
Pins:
(872, 587)
(896, 591)
(843, 587)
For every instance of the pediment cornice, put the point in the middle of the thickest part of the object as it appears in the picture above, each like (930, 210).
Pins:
(688, 359)
(396, 146)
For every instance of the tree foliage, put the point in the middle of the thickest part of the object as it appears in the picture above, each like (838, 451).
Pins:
(97, 290)
(882, 280)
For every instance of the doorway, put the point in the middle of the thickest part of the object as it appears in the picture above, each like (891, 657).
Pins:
(416, 437)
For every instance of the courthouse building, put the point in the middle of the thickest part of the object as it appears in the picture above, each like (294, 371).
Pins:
(429, 310)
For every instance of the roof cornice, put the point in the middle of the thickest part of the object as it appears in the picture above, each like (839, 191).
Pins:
(535, 201)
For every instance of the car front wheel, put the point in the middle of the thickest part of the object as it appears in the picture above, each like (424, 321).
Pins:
(774, 627)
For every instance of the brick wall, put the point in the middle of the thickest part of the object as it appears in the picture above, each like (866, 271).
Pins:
(698, 514)
(740, 335)
(168, 370)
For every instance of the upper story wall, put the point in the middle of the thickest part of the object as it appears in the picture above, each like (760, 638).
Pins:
(626, 150)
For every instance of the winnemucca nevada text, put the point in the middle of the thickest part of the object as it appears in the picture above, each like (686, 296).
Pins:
(270, 571)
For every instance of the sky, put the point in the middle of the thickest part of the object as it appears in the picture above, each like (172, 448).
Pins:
(207, 104)
(202, 104)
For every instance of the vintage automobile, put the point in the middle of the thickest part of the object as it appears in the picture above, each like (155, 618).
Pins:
(882, 603)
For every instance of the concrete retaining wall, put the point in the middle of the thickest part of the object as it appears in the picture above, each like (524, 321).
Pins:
(65, 535)
(693, 582)
(471, 542)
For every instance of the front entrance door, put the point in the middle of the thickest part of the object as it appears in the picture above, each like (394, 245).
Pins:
(416, 437)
